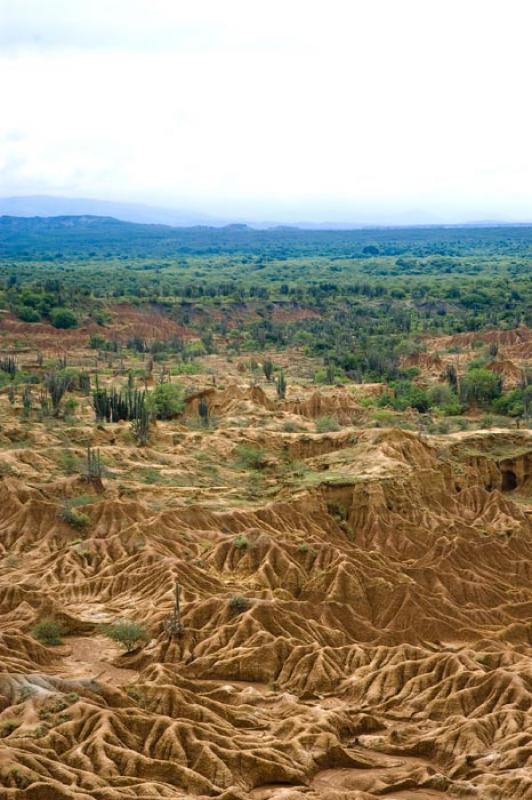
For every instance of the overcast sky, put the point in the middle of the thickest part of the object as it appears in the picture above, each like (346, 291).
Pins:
(348, 110)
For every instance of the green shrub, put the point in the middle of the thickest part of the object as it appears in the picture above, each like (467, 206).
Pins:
(63, 318)
(48, 631)
(27, 314)
(127, 633)
(166, 401)
(405, 395)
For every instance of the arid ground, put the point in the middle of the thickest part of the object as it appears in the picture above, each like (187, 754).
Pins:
(355, 604)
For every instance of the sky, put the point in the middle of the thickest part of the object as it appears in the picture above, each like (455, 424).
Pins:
(358, 111)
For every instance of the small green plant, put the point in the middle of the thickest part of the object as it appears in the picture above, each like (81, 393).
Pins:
(71, 405)
(127, 633)
(68, 462)
(239, 604)
(241, 542)
(327, 425)
(303, 547)
(150, 475)
(48, 632)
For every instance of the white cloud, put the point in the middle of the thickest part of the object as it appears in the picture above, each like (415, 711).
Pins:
(346, 109)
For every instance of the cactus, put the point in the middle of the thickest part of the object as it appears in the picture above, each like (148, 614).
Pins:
(281, 386)
(56, 386)
(203, 411)
(94, 464)
(140, 426)
(173, 627)
(26, 402)
(9, 365)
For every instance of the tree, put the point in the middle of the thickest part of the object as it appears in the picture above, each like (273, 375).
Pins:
(480, 385)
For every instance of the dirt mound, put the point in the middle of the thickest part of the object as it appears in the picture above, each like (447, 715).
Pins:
(333, 402)
(232, 399)
(512, 376)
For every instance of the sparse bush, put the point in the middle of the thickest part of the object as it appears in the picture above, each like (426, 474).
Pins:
(48, 632)
(76, 519)
(7, 726)
(290, 427)
(327, 425)
(249, 456)
(127, 633)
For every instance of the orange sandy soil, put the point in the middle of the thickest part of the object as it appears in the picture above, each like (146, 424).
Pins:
(386, 649)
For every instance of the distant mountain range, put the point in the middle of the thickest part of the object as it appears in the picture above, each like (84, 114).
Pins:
(49, 206)
(46, 206)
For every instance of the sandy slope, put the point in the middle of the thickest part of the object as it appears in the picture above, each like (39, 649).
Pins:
(386, 649)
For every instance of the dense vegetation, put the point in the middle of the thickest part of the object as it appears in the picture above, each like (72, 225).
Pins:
(360, 300)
